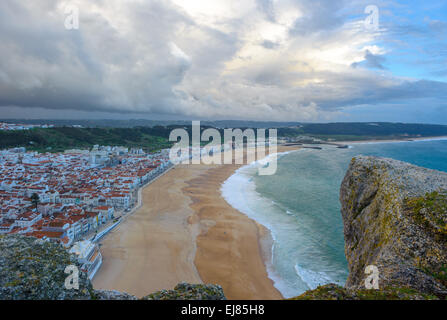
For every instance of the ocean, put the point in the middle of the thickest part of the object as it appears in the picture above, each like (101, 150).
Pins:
(300, 205)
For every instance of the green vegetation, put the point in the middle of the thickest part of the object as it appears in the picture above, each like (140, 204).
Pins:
(430, 211)
(151, 137)
(35, 200)
(62, 138)
(326, 292)
(334, 292)
(363, 131)
(378, 129)
(185, 291)
(440, 274)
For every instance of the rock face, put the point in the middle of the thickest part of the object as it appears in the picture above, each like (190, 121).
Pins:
(335, 292)
(395, 218)
(31, 269)
(185, 291)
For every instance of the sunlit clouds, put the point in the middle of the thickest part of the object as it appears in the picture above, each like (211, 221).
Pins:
(219, 59)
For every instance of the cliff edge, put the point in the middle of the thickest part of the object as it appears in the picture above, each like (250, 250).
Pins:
(395, 219)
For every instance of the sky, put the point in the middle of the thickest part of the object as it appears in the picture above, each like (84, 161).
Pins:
(282, 60)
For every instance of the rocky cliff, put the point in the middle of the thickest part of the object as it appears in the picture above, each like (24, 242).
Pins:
(395, 218)
(35, 270)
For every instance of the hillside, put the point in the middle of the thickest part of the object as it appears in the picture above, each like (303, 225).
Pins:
(154, 137)
(62, 138)
(364, 131)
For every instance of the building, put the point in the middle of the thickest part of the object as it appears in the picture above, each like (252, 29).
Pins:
(89, 257)
(27, 219)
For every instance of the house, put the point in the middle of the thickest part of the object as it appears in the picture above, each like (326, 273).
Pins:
(55, 236)
(105, 213)
(118, 200)
(76, 227)
(6, 227)
(27, 219)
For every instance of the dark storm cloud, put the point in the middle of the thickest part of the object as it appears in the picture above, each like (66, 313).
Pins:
(97, 67)
(156, 57)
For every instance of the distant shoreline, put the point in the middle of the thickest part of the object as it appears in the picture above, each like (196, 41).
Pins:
(434, 138)
(346, 143)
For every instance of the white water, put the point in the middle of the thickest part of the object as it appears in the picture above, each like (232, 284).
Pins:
(240, 192)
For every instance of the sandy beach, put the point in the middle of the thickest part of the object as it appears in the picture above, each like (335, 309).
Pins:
(186, 231)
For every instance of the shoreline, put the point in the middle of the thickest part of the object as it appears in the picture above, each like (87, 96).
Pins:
(434, 138)
(267, 236)
(194, 236)
(191, 235)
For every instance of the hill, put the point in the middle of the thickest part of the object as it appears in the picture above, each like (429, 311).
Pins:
(155, 137)
(62, 138)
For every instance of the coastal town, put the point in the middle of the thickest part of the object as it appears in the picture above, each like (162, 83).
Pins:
(74, 197)
(15, 126)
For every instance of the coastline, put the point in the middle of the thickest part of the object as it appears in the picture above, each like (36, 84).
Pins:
(240, 183)
(254, 261)
(435, 138)
(194, 235)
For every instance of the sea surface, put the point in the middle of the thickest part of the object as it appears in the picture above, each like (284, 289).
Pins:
(300, 205)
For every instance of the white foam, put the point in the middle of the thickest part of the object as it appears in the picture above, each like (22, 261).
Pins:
(239, 190)
(313, 279)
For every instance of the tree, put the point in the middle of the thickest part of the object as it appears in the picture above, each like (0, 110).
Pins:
(35, 199)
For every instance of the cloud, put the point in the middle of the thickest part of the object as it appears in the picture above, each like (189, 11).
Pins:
(99, 66)
(317, 16)
(262, 59)
(371, 61)
(269, 44)
(266, 6)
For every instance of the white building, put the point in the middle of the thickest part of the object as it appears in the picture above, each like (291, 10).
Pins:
(89, 257)
(27, 219)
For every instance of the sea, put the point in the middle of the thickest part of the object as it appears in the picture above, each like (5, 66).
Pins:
(300, 206)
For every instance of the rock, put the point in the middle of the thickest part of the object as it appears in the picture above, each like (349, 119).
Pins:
(185, 291)
(395, 218)
(335, 292)
(112, 295)
(32, 269)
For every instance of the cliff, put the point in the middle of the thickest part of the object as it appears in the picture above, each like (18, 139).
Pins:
(31, 269)
(395, 218)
